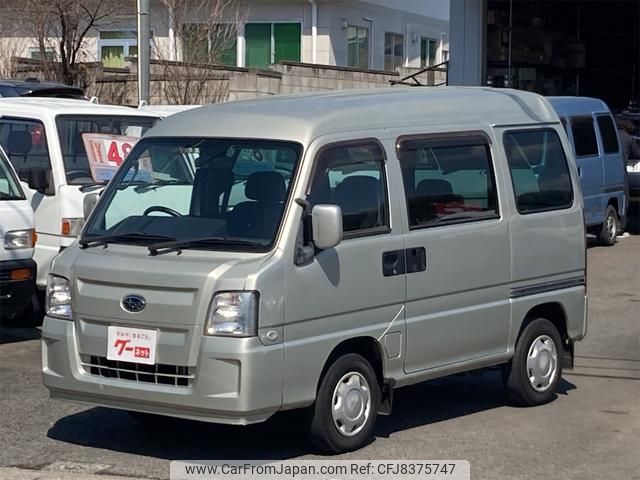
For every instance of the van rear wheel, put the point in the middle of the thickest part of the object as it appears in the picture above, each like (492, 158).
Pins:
(609, 230)
(345, 411)
(532, 375)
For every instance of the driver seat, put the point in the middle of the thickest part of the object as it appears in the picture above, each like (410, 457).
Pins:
(258, 217)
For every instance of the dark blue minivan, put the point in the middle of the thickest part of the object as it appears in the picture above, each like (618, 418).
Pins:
(594, 137)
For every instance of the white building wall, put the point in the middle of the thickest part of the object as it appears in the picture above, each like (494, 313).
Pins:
(332, 36)
(467, 40)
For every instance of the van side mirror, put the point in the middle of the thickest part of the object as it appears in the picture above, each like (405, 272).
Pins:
(38, 179)
(89, 203)
(326, 224)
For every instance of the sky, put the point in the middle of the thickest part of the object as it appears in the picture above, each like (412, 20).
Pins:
(431, 8)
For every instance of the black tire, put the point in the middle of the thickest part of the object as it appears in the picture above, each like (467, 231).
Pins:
(609, 229)
(321, 429)
(516, 373)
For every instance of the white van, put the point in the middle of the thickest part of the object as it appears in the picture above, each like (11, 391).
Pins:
(321, 251)
(43, 140)
(17, 239)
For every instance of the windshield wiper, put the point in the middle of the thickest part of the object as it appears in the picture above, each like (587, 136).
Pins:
(178, 245)
(159, 183)
(91, 186)
(103, 240)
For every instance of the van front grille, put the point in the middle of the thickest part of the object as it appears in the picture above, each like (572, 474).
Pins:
(159, 374)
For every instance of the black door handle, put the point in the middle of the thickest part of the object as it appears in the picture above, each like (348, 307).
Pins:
(393, 263)
(416, 259)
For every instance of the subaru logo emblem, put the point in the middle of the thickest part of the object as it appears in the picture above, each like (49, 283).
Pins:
(133, 303)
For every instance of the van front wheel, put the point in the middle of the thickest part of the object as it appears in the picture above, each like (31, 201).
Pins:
(345, 411)
(609, 230)
(533, 373)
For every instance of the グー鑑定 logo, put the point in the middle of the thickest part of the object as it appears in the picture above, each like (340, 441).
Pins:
(134, 303)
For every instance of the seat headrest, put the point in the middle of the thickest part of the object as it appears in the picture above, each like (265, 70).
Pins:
(19, 142)
(265, 187)
(357, 192)
(432, 187)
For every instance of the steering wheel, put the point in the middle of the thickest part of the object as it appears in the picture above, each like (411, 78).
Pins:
(160, 208)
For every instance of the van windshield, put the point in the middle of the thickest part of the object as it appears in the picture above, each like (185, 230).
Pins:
(71, 128)
(231, 191)
(9, 187)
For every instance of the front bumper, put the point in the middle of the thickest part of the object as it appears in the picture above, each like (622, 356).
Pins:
(236, 380)
(16, 295)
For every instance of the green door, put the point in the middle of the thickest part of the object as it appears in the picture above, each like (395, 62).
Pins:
(286, 38)
(257, 44)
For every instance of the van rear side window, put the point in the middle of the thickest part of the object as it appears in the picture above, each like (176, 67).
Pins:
(584, 136)
(539, 170)
(25, 143)
(447, 180)
(608, 134)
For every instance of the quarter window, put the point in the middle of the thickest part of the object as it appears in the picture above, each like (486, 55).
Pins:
(584, 136)
(25, 143)
(539, 170)
(446, 181)
(608, 134)
(352, 177)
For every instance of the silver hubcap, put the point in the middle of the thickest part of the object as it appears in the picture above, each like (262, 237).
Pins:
(611, 226)
(351, 404)
(542, 363)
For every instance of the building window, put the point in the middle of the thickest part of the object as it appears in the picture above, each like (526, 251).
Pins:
(393, 51)
(115, 45)
(36, 54)
(445, 56)
(267, 43)
(358, 47)
(428, 50)
(208, 44)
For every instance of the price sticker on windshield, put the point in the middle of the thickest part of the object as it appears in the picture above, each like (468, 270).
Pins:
(106, 153)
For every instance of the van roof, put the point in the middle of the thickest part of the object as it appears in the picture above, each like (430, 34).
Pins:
(59, 106)
(577, 105)
(307, 116)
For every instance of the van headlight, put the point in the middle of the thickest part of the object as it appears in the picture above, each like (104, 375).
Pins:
(16, 239)
(58, 300)
(233, 314)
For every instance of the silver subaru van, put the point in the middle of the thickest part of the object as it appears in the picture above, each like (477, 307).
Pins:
(319, 251)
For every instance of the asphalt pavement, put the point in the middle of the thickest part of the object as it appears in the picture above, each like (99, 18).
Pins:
(591, 431)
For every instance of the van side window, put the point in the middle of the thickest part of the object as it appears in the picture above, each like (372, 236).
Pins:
(539, 170)
(608, 134)
(446, 181)
(584, 136)
(352, 176)
(25, 143)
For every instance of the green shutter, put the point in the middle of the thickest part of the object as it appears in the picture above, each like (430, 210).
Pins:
(257, 44)
(287, 41)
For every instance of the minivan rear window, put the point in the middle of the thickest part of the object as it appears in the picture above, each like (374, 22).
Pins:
(539, 170)
(584, 136)
(608, 134)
